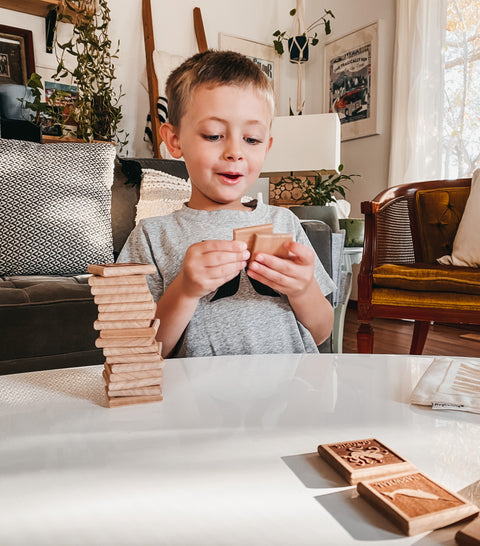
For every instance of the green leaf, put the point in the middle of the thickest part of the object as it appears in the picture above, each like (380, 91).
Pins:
(293, 12)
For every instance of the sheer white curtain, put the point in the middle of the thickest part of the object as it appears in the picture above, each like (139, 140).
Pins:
(416, 145)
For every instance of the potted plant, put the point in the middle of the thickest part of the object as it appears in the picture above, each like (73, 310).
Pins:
(319, 193)
(94, 113)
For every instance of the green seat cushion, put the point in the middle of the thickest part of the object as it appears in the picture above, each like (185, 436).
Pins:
(428, 278)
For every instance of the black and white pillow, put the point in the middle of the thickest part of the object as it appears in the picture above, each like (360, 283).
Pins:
(55, 207)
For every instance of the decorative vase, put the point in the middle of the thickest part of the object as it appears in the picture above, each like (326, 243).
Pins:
(326, 213)
(298, 49)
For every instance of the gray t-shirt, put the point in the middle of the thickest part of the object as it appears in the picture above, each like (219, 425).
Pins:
(235, 319)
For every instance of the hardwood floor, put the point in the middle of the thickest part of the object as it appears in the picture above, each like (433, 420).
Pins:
(394, 337)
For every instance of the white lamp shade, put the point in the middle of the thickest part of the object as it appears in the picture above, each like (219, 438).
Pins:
(303, 144)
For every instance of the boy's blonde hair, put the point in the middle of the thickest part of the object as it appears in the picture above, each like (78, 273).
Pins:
(213, 68)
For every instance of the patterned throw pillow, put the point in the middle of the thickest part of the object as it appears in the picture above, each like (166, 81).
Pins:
(160, 194)
(55, 207)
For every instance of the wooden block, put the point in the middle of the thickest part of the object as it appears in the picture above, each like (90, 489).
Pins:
(470, 534)
(247, 234)
(148, 314)
(117, 401)
(472, 336)
(96, 280)
(130, 289)
(135, 358)
(119, 342)
(136, 366)
(123, 298)
(115, 377)
(153, 348)
(154, 390)
(131, 332)
(127, 306)
(120, 270)
(363, 459)
(122, 324)
(415, 503)
(131, 383)
(270, 243)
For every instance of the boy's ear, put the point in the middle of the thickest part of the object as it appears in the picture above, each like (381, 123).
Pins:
(170, 137)
(269, 145)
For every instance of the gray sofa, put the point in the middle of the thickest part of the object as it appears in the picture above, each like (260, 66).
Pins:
(46, 320)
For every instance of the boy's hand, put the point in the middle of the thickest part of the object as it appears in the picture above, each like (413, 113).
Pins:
(290, 276)
(209, 264)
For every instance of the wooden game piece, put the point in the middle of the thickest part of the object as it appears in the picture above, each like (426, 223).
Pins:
(127, 359)
(127, 306)
(114, 377)
(121, 269)
(122, 324)
(139, 314)
(153, 348)
(144, 296)
(139, 391)
(118, 342)
(270, 243)
(131, 332)
(247, 234)
(470, 534)
(96, 280)
(116, 401)
(136, 366)
(415, 503)
(121, 289)
(131, 383)
(363, 459)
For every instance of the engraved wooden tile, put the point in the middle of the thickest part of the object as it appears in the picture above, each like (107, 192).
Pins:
(121, 269)
(116, 401)
(136, 366)
(131, 383)
(147, 314)
(155, 347)
(131, 332)
(364, 459)
(270, 243)
(115, 377)
(122, 324)
(124, 342)
(154, 390)
(126, 359)
(247, 234)
(96, 280)
(416, 503)
(470, 534)
(144, 296)
(113, 307)
(122, 289)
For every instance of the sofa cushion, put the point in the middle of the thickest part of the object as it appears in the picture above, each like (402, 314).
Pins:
(55, 203)
(428, 278)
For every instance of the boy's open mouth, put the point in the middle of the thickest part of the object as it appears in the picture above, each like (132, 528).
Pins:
(231, 176)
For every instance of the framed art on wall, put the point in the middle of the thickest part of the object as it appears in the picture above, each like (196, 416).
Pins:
(262, 54)
(351, 81)
(17, 60)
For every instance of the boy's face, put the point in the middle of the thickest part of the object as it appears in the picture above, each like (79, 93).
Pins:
(224, 136)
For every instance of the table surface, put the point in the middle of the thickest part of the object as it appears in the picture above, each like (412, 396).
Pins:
(229, 457)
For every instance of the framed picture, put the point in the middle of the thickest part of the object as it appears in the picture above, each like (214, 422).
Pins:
(261, 54)
(17, 61)
(351, 81)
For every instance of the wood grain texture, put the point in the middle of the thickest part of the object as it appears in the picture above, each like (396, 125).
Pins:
(155, 390)
(120, 289)
(117, 377)
(120, 342)
(131, 383)
(148, 305)
(96, 280)
(121, 269)
(138, 314)
(136, 366)
(271, 243)
(470, 534)
(247, 234)
(117, 401)
(122, 324)
(154, 347)
(145, 297)
(131, 332)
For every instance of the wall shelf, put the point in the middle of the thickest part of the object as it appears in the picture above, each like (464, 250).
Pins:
(33, 7)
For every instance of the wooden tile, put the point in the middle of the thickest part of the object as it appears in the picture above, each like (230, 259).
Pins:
(115, 377)
(127, 306)
(121, 269)
(155, 390)
(415, 503)
(122, 324)
(117, 401)
(123, 298)
(147, 314)
(136, 366)
(363, 459)
(470, 534)
(154, 348)
(247, 234)
(135, 358)
(96, 280)
(119, 342)
(270, 243)
(122, 289)
(131, 383)
(131, 332)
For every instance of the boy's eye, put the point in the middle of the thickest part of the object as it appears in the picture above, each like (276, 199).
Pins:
(250, 140)
(212, 138)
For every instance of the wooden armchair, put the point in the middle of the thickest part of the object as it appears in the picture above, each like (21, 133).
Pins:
(407, 228)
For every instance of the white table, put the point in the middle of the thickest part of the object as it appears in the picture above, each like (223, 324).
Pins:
(229, 457)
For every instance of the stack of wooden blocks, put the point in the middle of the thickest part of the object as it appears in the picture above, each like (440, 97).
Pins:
(127, 328)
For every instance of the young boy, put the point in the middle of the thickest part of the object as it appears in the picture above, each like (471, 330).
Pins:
(220, 108)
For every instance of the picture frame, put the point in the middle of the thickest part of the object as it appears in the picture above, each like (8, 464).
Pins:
(262, 54)
(17, 61)
(351, 81)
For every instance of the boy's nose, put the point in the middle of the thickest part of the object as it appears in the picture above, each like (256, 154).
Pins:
(232, 151)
